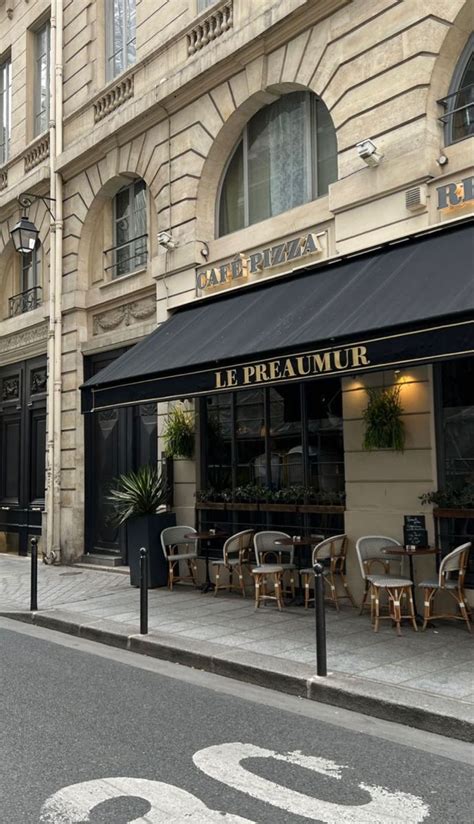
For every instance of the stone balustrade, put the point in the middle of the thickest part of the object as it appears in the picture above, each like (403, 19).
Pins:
(214, 25)
(36, 153)
(113, 98)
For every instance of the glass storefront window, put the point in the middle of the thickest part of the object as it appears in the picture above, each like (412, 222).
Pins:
(278, 437)
(458, 422)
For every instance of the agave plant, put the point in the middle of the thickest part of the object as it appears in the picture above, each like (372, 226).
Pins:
(138, 493)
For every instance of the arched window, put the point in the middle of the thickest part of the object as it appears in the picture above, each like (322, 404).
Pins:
(130, 232)
(459, 104)
(287, 156)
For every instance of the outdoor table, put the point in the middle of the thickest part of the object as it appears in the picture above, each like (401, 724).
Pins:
(410, 553)
(299, 542)
(208, 537)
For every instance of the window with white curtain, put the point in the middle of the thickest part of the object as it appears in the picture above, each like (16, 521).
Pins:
(130, 231)
(42, 86)
(5, 109)
(121, 44)
(203, 4)
(287, 156)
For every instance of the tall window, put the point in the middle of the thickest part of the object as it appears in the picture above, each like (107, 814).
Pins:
(5, 109)
(130, 235)
(459, 104)
(121, 36)
(41, 90)
(287, 156)
(29, 295)
(203, 4)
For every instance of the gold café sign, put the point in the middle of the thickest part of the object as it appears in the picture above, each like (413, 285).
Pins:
(242, 266)
(294, 366)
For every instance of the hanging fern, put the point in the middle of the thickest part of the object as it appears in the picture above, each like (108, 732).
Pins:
(178, 433)
(384, 428)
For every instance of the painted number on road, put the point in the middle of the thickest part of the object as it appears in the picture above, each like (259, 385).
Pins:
(223, 762)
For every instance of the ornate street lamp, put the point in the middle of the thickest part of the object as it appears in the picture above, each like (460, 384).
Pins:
(25, 234)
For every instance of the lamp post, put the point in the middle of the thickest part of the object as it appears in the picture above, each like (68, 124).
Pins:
(24, 236)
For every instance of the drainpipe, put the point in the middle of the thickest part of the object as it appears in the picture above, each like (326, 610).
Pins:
(53, 518)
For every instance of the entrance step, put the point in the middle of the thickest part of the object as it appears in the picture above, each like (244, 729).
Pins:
(100, 560)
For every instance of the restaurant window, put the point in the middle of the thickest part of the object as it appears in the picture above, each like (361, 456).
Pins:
(129, 251)
(457, 423)
(287, 156)
(120, 36)
(5, 109)
(459, 103)
(42, 79)
(455, 426)
(276, 437)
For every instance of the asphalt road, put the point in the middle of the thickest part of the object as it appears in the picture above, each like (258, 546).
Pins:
(92, 734)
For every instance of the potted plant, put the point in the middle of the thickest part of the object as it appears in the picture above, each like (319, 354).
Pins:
(178, 434)
(384, 428)
(136, 500)
(451, 500)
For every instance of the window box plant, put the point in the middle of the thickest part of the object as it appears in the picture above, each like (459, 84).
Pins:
(384, 427)
(452, 501)
(136, 500)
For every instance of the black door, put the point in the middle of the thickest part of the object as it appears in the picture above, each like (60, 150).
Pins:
(116, 441)
(22, 447)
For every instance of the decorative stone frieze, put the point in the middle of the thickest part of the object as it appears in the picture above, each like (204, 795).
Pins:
(113, 98)
(36, 153)
(124, 315)
(26, 337)
(216, 23)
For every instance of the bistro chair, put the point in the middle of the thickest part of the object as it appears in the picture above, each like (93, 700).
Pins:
(369, 554)
(333, 550)
(455, 562)
(283, 556)
(235, 557)
(177, 548)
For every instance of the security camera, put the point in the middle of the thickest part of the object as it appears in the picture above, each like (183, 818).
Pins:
(166, 241)
(367, 150)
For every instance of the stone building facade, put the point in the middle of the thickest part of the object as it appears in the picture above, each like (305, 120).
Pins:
(163, 98)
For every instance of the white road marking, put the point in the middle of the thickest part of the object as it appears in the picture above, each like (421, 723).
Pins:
(169, 805)
(223, 762)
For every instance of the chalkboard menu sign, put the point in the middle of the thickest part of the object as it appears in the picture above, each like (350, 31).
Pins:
(414, 531)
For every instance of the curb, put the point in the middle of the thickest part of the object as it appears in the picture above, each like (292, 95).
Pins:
(443, 716)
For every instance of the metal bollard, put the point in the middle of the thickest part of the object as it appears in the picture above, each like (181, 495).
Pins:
(321, 657)
(34, 576)
(143, 591)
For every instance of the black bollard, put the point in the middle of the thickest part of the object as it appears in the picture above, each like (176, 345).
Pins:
(321, 657)
(143, 591)
(34, 576)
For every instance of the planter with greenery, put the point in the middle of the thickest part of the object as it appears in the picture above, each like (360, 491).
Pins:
(136, 499)
(384, 428)
(179, 434)
(250, 497)
(452, 499)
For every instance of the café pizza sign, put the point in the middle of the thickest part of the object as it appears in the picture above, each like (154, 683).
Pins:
(243, 266)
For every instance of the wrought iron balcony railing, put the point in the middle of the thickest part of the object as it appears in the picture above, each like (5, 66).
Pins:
(459, 113)
(127, 257)
(25, 301)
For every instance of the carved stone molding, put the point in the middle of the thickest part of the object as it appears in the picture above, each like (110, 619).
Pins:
(124, 315)
(3, 179)
(113, 98)
(37, 153)
(27, 337)
(216, 23)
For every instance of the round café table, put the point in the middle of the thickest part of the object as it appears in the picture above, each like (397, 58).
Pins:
(208, 537)
(299, 542)
(410, 554)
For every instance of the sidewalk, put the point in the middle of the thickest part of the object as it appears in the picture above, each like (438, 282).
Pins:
(422, 679)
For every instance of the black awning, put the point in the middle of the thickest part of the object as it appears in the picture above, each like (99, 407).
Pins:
(411, 301)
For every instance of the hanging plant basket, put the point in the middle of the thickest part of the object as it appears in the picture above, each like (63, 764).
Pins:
(384, 428)
(178, 434)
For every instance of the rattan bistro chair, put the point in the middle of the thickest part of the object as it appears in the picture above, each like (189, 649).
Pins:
(333, 550)
(177, 548)
(235, 557)
(267, 551)
(369, 554)
(455, 562)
